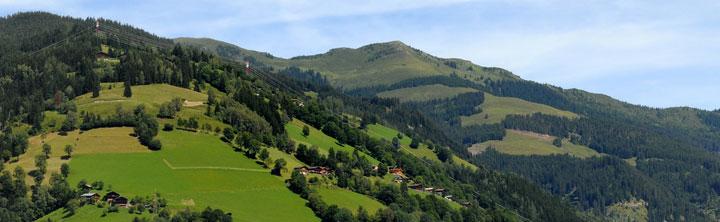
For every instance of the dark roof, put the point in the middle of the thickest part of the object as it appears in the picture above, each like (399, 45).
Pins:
(120, 200)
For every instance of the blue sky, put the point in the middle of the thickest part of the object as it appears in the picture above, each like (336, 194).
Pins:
(652, 53)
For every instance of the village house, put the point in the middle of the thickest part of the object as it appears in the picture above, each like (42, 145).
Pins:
(110, 196)
(120, 201)
(91, 198)
(305, 170)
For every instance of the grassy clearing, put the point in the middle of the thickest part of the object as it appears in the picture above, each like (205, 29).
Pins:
(150, 95)
(92, 213)
(425, 93)
(453, 204)
(348, 199)
(319, 139)
(103, 140)
(528, 143)
(52, 121)
(423, 151)
(496, 108)
(251, 195)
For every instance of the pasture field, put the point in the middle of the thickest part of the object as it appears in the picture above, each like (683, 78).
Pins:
(150, 95)
(496, 108)
(423, 151)
(319, 139)
(92, 213)
(103, 140)
(349, 200)
(195, 170)
(425, 93)
(528, 143)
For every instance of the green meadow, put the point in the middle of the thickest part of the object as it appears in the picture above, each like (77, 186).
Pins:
(425, 93)
(319, 139)
(195, 170)
(528, 143)
(152, 96)
(348, 199)
(495, 109)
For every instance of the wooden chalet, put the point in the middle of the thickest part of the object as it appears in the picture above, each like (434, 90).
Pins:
(305, 170)
(110, 196)
(91, 197)
(120, 201)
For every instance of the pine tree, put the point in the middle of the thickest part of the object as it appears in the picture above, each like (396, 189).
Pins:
(128, 90)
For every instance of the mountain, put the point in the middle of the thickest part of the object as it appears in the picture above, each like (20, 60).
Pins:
(117, 124)
(666, 158)
(365, 66)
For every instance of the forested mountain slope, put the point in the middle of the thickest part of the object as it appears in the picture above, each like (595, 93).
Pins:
(215, 139)
(665, 157)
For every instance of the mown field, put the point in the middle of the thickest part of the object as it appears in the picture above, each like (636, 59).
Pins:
(528, 143)
(319, 139)
(104, 140)
(195, 170)
(382, 132)
(425, 93)
(496, 108)
(348, 199)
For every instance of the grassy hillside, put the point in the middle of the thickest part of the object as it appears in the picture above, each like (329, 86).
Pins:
(195, 170)
(150, 95)
(370, 65)
(382, 132)
(528, 143)
(425, 93)
(496, 108)
(319, 139)
(348, 199)
(104, 140)
(92, 213)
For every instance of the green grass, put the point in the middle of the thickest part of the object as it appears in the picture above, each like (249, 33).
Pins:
(425, 93)
(497, 108)
(319, 139)
(348, 199)
(150, 95)
(205, 172)
(103, 140)
(52, 121)
(527, 143)
(453, 204)
(423, 151)
(92, 213)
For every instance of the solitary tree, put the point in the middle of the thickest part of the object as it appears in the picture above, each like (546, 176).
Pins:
(414, 144)
(280, 166)
(306, 131)
(557, 142)
(396, 142)
(128, 90)
(65, 170)
(46, 149)
(69, 150)
(265, 157)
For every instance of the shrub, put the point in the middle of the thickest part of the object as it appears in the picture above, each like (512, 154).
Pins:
(168, 127)
(155, 144)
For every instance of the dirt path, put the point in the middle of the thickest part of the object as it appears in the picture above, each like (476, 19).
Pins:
(213, 168)
(188, 103)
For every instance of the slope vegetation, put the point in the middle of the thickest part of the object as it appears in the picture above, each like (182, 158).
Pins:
(425, 93)
(319, 139)
(529, 143)
(496, 108)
